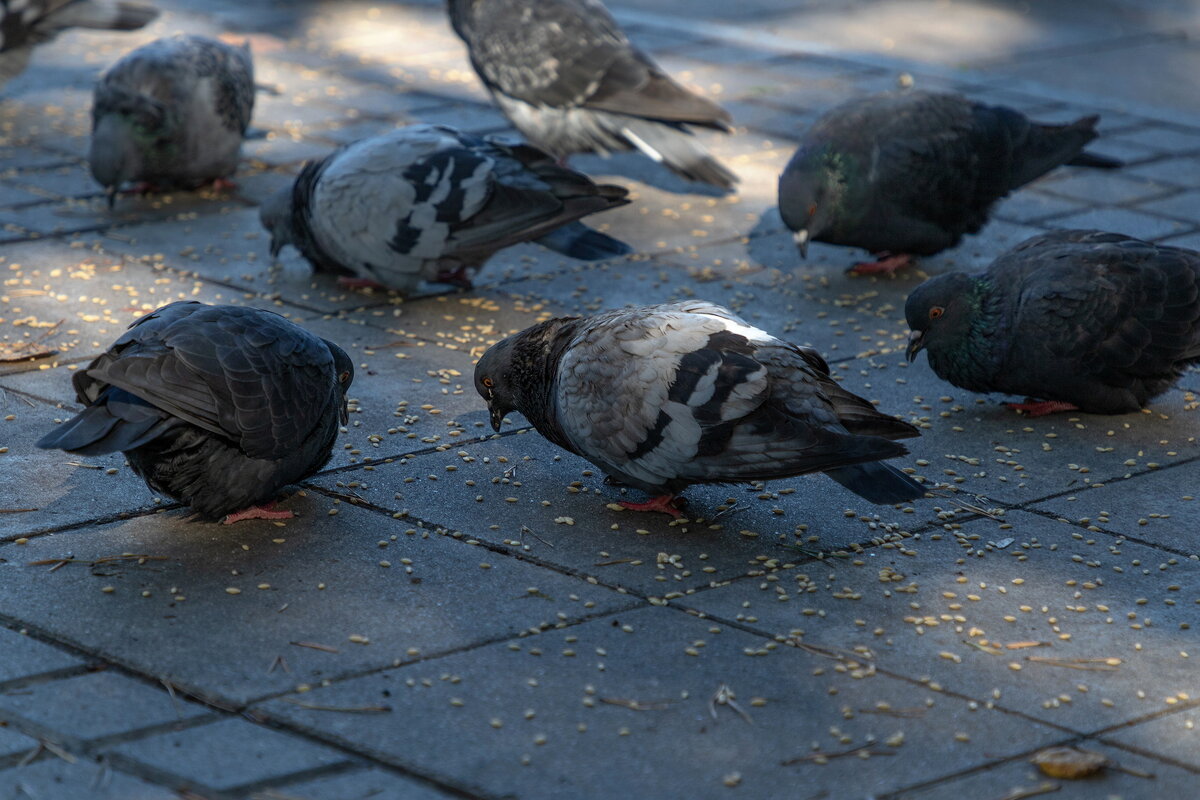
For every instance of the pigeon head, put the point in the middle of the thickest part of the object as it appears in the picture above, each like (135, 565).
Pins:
(126, 129)
(344, 371)
(517, 373)
(276, 216)
(812, 194)
(494, 379)
(940, 312)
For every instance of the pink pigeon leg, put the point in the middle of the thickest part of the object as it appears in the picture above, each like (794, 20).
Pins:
(886, 264)
(666, 503)
(223, 185)
(359, 283)
(268, 511)
(457, 277)
(1040, 408)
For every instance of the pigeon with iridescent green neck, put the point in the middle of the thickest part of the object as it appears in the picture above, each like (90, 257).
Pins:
(1099, 322)
(909, 173)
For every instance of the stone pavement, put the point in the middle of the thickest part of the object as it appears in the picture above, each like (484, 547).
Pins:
(456, 614)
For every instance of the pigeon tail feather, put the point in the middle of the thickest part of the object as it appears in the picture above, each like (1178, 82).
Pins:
(579, 241)
(878, 483)
(117, 422)
(106, 15)
(676, 149)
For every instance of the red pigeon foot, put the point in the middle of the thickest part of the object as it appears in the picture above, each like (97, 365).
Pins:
(258, 512)
(1040, 408)
(886, 264)
(666, 503)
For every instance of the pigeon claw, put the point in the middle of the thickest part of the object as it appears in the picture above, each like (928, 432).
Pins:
(268, 511)
(223, 185)
(666, 503)
(1040, 408)
(886, 264)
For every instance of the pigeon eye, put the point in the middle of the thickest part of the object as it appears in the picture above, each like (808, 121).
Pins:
(488, 383)
(345, 376)
(812, 209)
(936, 312)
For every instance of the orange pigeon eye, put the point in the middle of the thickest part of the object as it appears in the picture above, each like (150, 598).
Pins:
(345, 376)
(936, 312)
(488, 382)
(812, 209)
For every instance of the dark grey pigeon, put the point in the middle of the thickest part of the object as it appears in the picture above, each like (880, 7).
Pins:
(568, 78)
(908, 173)
(172, 114)
(666, 396)
(1099, 322)
(218, 407)
(24, 24)
(427, 202)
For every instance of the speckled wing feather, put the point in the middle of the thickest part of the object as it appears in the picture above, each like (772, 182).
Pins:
(171, 70)
(243, 374)
(395, 208)
(571, 53)
(687, 393)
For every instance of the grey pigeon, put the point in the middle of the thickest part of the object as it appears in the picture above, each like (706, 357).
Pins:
(25, 24)
(665, 396)
(218, 407)
(568, 78)
(427, 202)
(908, 173)
(1099, 322)
(172, 114)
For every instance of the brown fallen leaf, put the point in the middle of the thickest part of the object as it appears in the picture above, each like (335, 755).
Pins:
(1069, 763)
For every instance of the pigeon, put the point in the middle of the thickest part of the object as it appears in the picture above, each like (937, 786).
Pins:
(567, 77)
(665, 396)
(1084, 320)
(172, 114)
(427, 202)
(218, 407)
(27, 23)
(908, 173)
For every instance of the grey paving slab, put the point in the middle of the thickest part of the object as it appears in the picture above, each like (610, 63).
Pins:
(12, 743)
(231, 248)
(1172, 735)
(360, 784)
(317, 579)
(1097, 642)
(49, 488)
(1110, 187)
(976, 444)
(1155, 779)
(1132, 223)
(1184, 206)
(408, 395)
(25, 657)
(58, 779)
(1183, 172)
(1163, 68)
(550, 715)
(1152, 506)
(227, 754)
(1030, 206)
(526, 495)
(92, 706)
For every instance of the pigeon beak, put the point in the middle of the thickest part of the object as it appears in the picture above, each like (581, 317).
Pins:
(801, 238)
(916, 343)
(276, 247)
(497, 418)
(112, 196)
